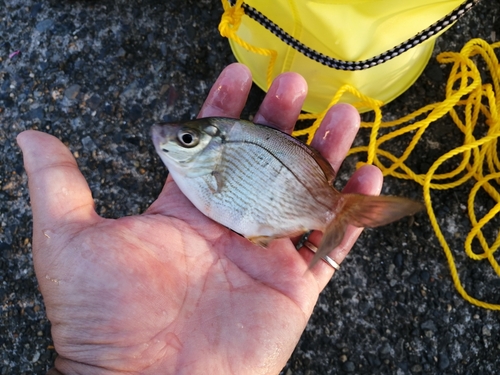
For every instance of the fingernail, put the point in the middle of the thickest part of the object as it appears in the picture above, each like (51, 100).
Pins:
(286, 89)
(344, 112)
(283, 101)
(226, 95)
(340, 116)
(236, 76)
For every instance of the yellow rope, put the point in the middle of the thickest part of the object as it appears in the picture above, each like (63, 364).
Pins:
(465, 92)
(467, 98)
(228, 26)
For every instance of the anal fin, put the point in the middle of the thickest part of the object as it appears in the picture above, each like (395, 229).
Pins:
(262, 241)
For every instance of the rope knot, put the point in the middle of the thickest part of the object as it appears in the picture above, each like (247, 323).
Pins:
(231, 18)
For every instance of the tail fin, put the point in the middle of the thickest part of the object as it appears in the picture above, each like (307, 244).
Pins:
(363, 211)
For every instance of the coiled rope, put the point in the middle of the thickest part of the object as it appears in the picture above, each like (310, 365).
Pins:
(465, 92)
(466, 98)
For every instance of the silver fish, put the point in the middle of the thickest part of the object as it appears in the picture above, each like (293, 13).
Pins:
(265, 184)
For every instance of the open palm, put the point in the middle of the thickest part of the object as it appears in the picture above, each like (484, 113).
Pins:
(171, 291)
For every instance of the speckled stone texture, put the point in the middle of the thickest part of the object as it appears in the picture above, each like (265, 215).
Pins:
(97, 74)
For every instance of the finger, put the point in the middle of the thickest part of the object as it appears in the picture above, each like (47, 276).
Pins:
(366, 180)
(337, 132)
(229, 93)
(283, 102)
(335, 135)
(58, 191)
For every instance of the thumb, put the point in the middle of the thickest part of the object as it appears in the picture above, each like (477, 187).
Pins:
(58, 191)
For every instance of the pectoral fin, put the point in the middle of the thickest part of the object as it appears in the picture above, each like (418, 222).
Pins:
(216, 177)
(218, 181)
(214, 181)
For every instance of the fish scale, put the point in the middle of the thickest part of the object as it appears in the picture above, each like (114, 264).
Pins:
(274, 180)
(251, 199)
(309, 171)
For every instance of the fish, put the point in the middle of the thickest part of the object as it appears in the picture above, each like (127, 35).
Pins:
(265, 184)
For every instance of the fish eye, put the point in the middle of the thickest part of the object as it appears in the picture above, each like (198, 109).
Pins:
(188, 137)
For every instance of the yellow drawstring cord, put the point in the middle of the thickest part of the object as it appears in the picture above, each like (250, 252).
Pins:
(479, 158)
(228, 26)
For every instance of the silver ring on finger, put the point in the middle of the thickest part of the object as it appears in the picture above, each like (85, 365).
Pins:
(326, 258)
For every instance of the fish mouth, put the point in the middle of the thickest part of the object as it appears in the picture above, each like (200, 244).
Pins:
(157, 134)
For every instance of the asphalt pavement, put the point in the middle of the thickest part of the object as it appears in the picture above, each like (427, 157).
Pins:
(97, 74)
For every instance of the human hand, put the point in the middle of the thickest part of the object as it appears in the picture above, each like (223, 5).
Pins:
(171, 291)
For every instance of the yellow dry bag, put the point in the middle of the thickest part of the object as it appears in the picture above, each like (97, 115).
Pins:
(379, 47)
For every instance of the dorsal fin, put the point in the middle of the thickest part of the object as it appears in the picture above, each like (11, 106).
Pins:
(320, 160)
(325, 166)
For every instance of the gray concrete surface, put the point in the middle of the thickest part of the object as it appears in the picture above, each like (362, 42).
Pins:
(97, 74)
